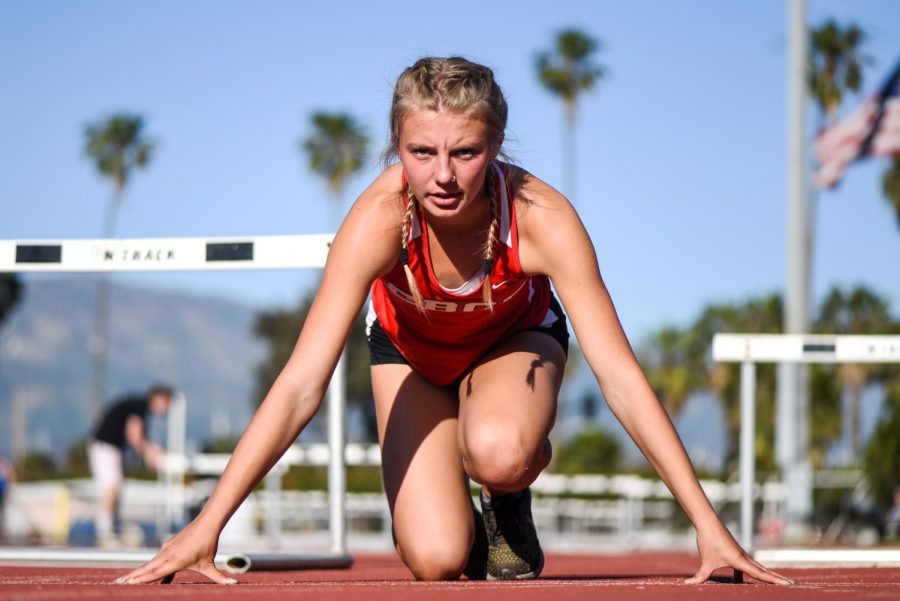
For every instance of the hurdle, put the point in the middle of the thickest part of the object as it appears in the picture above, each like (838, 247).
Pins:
(748, 350)
(201, 254)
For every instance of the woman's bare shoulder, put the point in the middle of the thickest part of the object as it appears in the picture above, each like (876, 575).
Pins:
(373, 223)
(536, 200)
(546, 222)
(382, 202)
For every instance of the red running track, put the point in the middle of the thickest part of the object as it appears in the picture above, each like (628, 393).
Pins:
(383, 577)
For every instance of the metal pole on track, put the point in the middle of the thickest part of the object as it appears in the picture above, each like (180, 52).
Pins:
(172, 474)
(273, 521)
(748, 452)
(337, 475)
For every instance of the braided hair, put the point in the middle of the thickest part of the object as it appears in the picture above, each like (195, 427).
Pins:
(487, 250)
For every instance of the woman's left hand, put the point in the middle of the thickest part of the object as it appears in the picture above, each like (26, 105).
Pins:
(718, 549)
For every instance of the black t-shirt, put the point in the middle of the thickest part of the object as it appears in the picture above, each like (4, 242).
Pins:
(112, 427)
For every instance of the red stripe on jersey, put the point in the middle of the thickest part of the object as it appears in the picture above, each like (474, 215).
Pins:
(459, 328)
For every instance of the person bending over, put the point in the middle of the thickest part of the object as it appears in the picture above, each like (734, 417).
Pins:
(123, 423)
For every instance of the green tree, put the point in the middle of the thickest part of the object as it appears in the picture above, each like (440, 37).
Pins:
(590, 451)
(678, 365)
(856, 312)
(881, 464)
(10, 293)
(118, 147)
(36, 465)
(279, 328)
(336, 150)
(567, 71)
(221, 444)
(754, 316)
(76, 461)
(890, 184)
(674, 367)
(835, 64)
(825, 411)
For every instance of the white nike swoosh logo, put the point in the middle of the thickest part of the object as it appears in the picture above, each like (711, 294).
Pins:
(495, 286)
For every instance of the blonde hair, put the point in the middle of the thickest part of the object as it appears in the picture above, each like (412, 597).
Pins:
(459, 86)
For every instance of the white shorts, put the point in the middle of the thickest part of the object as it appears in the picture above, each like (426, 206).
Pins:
(106, 464)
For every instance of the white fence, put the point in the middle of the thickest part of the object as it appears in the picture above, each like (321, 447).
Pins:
(571, 511)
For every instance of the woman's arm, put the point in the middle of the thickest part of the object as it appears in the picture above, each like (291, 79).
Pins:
(553, 241)
(366, 246)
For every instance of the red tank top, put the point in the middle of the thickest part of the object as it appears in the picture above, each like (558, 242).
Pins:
(458, 327)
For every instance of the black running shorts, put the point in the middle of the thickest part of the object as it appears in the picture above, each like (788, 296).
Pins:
(382, 351)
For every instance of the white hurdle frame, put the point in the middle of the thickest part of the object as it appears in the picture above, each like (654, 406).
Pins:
(750, 349)
(209, 254)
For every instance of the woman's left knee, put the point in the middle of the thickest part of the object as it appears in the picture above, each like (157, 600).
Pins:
(498, 456)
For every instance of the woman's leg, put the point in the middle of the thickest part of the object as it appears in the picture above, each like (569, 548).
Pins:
(507, 409)
(423, 474)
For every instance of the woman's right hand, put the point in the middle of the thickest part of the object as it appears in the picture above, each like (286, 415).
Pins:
(194, 548)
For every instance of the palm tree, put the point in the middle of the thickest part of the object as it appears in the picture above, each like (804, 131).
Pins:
(336, 150)
(673, 369)
(890, 183)
(677, 365)
(763, 315)
(835, 65)
(118, 147)
(882, 456)
(567, 71)
(859, 311)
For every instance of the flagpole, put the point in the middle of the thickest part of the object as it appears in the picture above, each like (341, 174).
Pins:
(792, 410)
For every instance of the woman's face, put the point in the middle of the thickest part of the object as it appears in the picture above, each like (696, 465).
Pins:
(445, 156)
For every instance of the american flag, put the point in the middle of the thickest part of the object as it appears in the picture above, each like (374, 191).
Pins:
(872, 129)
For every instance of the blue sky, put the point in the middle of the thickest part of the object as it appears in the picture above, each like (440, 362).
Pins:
(681, 173)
